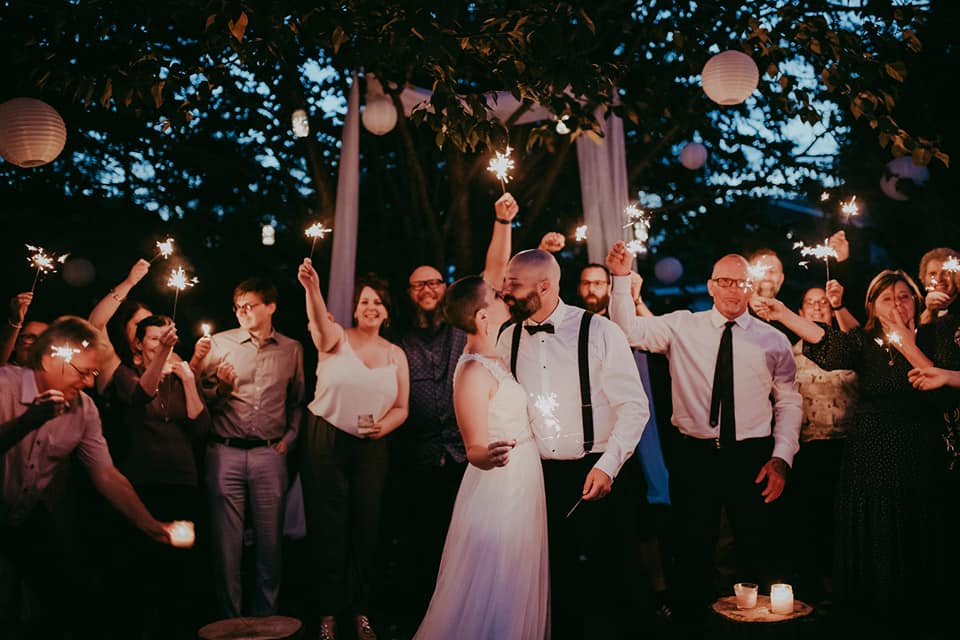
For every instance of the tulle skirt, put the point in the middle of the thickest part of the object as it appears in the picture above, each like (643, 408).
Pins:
(494, 577)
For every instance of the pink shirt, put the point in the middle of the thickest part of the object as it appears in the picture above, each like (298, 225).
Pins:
(31, 466)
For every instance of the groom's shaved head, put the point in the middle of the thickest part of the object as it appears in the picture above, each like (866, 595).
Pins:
(536, 264)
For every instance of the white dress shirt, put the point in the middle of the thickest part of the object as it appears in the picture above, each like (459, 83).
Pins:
(548, 369)
(762, 364)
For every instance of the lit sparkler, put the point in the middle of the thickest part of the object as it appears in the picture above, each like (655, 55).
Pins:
(849, 208)
(637, 248)
(951, 264)
(581, 233)
(164, 250)
(43, 262)
(314, 231)
(179, 281)
(501, 166)
(633, 214)
(206, 327)
(756, 271)
(64, 352)
(824, 196)
(820, 252)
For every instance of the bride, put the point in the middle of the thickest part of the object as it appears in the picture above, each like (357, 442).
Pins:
(494, 579)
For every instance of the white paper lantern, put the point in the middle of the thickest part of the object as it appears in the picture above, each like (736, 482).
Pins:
(32, 133)
(730, 77)
(668, 270)
(693, 155)
(902, 169)
(379, 115)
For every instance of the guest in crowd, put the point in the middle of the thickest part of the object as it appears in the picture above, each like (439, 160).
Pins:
(426, 472)
(252, 380)
(166, 420)
(19, 334)
(363, 387)
(44, 418)
(719, 405)
(940, 283)
(829, 400)
(887, 507)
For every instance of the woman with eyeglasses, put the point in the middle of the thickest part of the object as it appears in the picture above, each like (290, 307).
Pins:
(362, 394)
(166, 420)
(887, 532)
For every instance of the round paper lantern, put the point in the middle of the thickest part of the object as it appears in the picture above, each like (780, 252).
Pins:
(78, 272)
(729, 77)
(889, 187)
(32, 133)
(693, 155)
(379, 115)
(300, 123)
(900, 169)
(668, 270)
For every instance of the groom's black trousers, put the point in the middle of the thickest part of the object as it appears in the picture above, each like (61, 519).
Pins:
(596, 580)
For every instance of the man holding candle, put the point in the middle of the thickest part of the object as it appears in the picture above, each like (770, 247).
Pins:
(44, 418)
(724, 365)
(253, 382)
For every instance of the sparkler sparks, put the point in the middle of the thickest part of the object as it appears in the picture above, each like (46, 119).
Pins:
(637, 247)
(206, 327)
(64, 352)
(820, 252)
(164, 249)
(501, 166)
(951, 264)
(581, 233)
(315, 231)
(634, 214)
(894, 338)
(849, 208)
(179, 281)
(43, 262)
(756, 271)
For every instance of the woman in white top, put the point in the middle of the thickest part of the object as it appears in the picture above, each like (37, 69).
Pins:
(362, 392)
(494, 576)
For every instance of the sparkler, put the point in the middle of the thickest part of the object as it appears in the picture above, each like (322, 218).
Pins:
(179, 281)
(634, 215)
(849, 208)
(756, 271)
(316, 230)
(820, 252)
(206, 328)
(43, 262)
(64, 352)
(581, 233)
(500, 166)
(951, 265)
(164, 250)
(640, 221)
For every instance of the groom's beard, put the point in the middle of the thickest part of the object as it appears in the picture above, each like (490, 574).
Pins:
(522, 308)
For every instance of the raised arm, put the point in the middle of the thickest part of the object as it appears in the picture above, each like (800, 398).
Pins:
(326, 333)
(10, 330)
(150, 380)
(498, 253)
(772, 310)
(105, 309)
(845, 320)
(643, 330)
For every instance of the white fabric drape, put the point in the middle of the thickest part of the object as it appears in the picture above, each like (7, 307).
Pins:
(344, 255)
(603, 187)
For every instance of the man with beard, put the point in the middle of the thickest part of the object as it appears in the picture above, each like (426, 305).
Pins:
(583, 444)
(430, 458)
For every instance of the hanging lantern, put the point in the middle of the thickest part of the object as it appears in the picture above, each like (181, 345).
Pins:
(730, 77)
(300, 123)
(668, 270)
(32, 133)
(902, 178)
(693, 155)
(268, 235)
(379, 115)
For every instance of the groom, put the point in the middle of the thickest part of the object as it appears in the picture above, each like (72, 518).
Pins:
(587, 422)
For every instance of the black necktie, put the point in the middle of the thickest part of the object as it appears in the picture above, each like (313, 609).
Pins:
(721, 404)
(537, 328)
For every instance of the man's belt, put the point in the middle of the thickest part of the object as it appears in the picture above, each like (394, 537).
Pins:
(243, 443)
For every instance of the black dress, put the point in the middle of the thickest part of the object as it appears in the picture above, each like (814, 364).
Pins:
(887, 505)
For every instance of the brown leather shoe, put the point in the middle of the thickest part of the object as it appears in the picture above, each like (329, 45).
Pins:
(328, 628)
(364, 630)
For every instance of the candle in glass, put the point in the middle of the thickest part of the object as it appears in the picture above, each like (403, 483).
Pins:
(182, 534)
(746, 593)
(781, 599)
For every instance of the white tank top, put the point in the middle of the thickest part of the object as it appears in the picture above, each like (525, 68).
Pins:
(347, 389)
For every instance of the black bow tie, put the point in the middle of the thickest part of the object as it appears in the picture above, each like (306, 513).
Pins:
(536, 328)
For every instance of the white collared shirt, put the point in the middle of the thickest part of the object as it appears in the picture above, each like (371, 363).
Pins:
(763, 364)
(547, 367)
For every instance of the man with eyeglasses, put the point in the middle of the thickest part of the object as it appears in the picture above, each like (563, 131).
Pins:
(45, 417)
(429, 459)
(253, 382)
(725, 366)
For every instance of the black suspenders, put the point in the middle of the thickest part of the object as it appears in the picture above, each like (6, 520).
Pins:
(583, 364)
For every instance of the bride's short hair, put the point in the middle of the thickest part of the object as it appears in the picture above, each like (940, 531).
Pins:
(462, 300)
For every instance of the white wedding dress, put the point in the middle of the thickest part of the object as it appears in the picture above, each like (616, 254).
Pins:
(494, 576)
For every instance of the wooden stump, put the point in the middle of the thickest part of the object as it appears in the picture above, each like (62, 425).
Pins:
(268, 628)
(727, 608)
